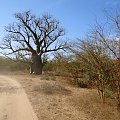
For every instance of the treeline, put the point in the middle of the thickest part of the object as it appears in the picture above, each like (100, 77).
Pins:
(9, 65)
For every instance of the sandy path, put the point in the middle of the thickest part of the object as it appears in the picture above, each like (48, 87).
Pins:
(14, 104)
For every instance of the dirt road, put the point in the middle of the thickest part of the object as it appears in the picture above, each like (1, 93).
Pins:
(14, 104)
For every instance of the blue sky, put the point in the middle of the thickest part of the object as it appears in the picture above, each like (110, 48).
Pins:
(76, 16)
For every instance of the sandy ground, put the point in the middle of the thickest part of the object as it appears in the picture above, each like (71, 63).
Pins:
(55, 99)
(14, 104)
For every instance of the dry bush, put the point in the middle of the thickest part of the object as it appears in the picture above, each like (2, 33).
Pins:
(9, 65)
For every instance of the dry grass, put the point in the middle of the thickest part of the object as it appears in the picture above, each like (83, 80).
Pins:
(57, 100)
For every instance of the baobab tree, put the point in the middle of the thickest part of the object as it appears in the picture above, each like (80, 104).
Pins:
(31, 37)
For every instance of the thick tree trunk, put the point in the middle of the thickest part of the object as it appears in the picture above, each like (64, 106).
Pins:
(37, 64)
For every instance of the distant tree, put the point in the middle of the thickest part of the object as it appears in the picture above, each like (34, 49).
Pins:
(29, 39)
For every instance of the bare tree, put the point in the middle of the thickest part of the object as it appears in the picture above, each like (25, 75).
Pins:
(113, 47)
(101, 51)
(31, 37)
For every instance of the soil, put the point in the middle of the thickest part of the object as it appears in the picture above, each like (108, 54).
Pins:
(53, 98)
(14, 104)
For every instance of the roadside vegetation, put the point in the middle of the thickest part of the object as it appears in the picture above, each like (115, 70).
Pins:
(7, 65)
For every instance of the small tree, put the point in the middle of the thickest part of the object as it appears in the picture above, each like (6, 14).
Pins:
(30, 38)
